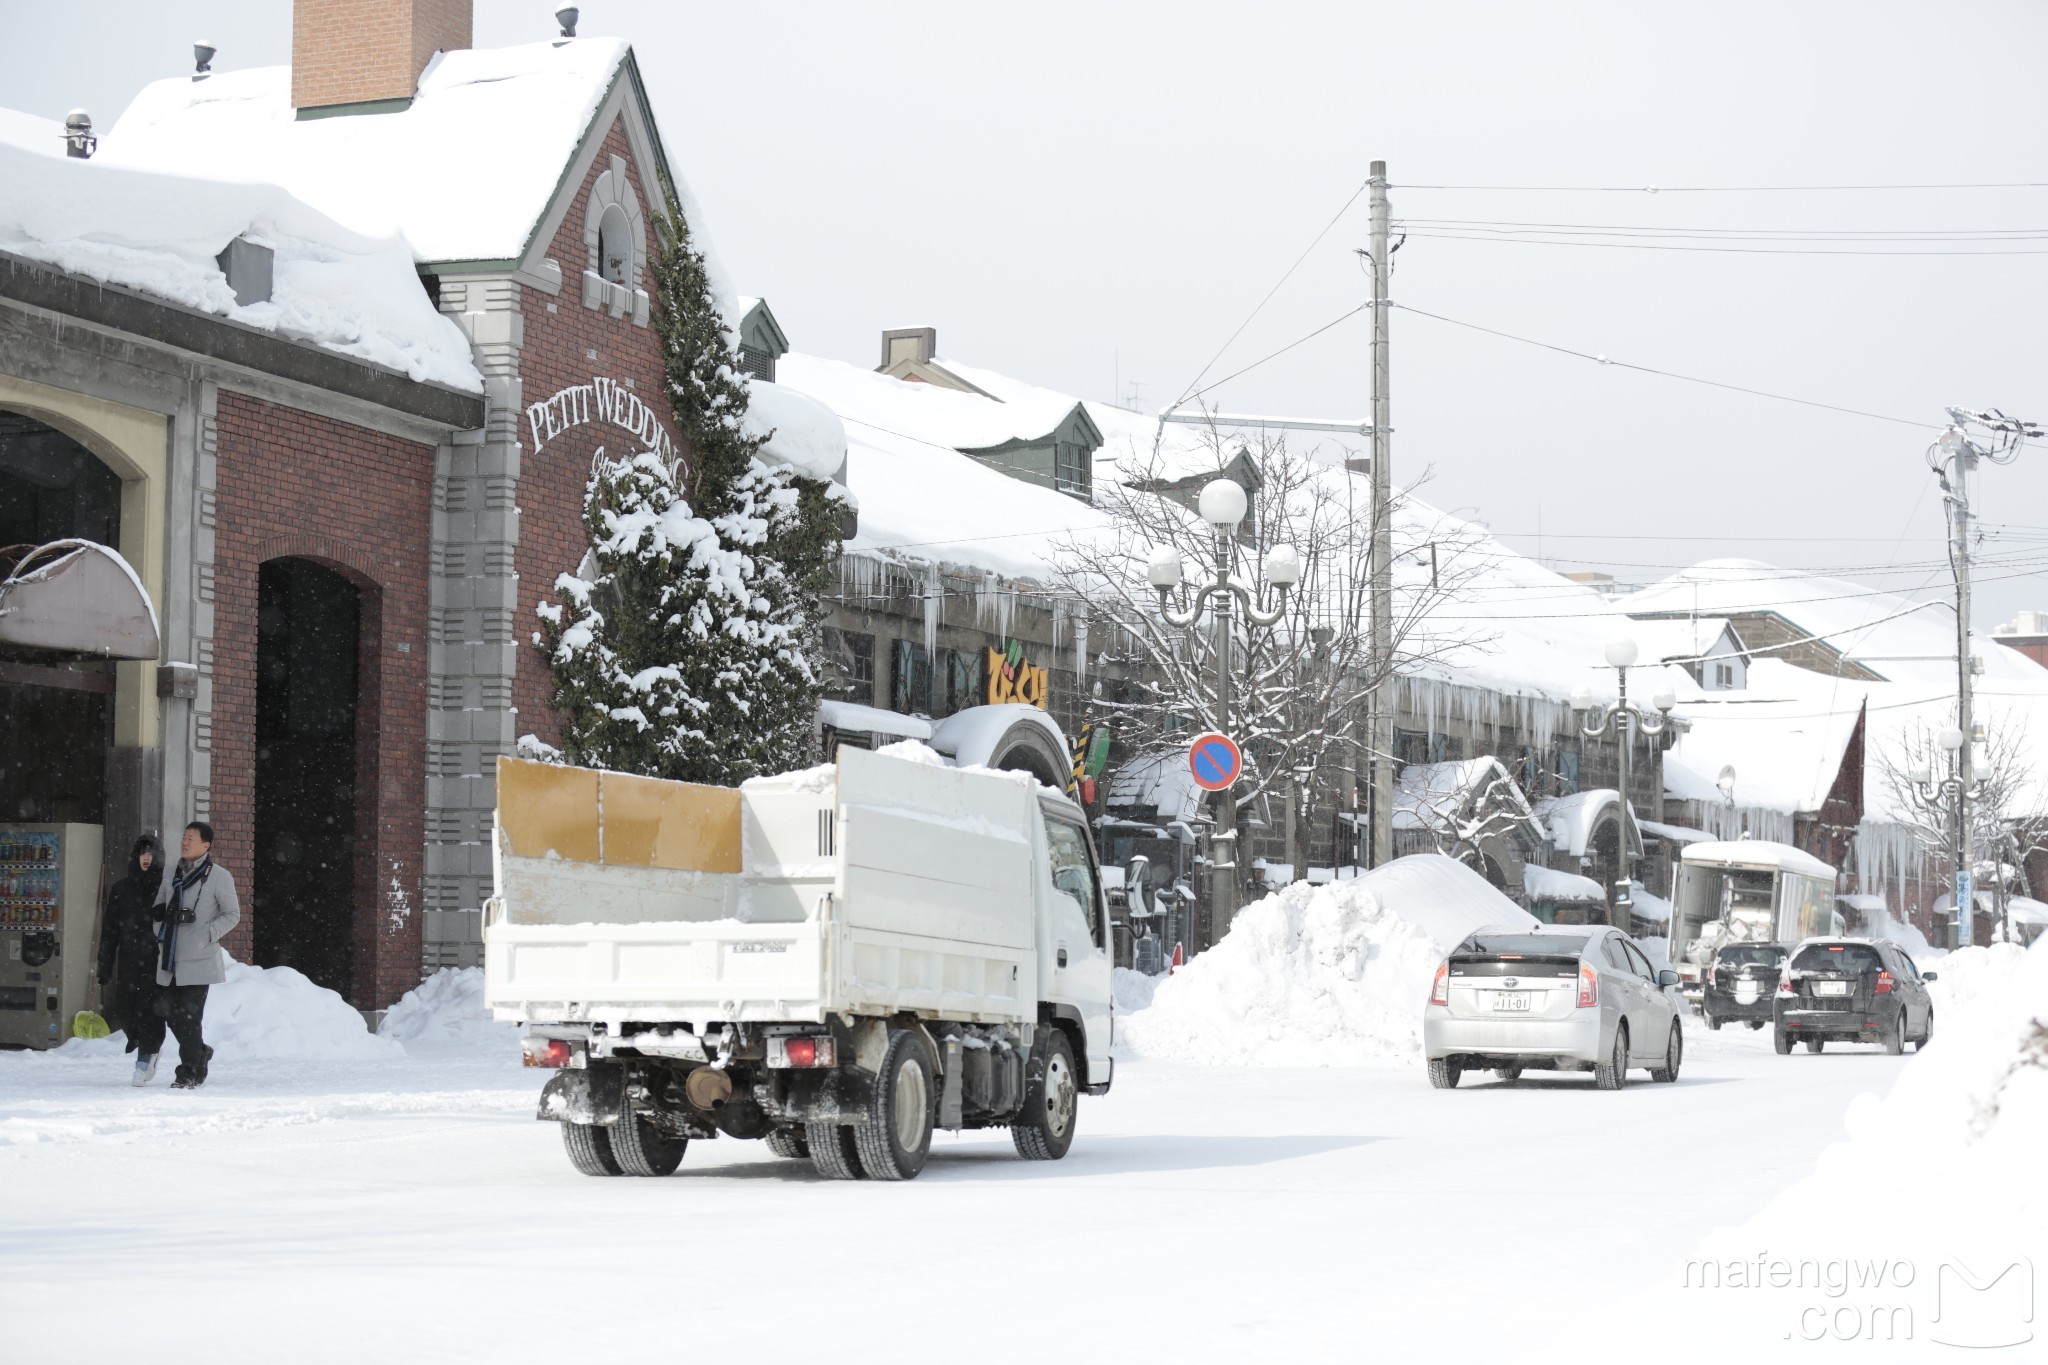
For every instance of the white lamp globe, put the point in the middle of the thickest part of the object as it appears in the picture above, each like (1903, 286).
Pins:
(1582, 697)
(1665, 698)
(1283, 565)
(1621, 652)
(1222, 503)
(1163, 570)
(1950, 738)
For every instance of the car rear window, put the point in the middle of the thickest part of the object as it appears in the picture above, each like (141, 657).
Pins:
(1528, 945)
(1768, 954)
(1837, 957)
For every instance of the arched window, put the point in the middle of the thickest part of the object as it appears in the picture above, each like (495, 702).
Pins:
(615, 247)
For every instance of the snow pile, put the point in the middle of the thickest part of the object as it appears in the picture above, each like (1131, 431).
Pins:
(446, 1013)
(1964, 1125)
(1133, 990)
(1334, 974)
(276, 1012)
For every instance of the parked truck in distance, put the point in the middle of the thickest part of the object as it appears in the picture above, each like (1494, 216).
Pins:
(834, 961)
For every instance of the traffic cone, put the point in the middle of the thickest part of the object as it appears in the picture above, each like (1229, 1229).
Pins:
(1179, 961)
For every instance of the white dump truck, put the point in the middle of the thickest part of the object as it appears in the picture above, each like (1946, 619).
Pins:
(836, 961)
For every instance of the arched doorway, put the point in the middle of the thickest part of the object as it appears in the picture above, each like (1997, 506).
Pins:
(56, 714)
(309, 623)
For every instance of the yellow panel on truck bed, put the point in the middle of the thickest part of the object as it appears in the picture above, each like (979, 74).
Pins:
(582, 815)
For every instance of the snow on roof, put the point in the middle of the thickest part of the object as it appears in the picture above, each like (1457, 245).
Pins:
(1572, 819)
(949, 418)
(1160, 782)
(846, 715)
(920, 498)
(1757, 853)
(1786, 735)
(1678, 638)
(159, 234)
(802, 432)
(1548, 884)
(31, 133)
(464, 173)
(1431, 794)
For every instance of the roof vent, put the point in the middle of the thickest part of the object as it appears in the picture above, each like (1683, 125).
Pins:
(78, 137)
(202, 59)
(566, 16)
(247, 265)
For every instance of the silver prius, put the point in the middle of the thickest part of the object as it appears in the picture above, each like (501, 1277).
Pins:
(1552, 998)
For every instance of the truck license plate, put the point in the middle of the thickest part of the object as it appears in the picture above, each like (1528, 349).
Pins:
(1510, 1000)
(1830, 988)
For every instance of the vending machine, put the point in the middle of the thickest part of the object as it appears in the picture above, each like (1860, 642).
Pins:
(49, 902)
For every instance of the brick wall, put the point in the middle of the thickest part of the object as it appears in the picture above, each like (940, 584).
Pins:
(348, 51)
(361, 503)
(569, 344)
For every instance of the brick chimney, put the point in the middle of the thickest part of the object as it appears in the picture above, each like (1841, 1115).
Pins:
(351, 52)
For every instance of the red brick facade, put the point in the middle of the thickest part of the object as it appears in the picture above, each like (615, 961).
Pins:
(568, 344)
(361, 503)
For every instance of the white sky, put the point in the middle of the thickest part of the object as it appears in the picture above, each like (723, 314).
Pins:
(1082, 195)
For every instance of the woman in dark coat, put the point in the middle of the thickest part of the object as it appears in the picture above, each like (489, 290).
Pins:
(128, 945)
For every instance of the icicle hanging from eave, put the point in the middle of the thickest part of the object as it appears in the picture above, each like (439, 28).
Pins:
(1060, 610)
(934, 604)
(1081, 651)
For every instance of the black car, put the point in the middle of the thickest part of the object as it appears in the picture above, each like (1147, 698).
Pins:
(1740, 983)
(1852, 990)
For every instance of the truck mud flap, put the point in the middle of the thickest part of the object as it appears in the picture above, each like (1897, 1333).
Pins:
(596, 1096)
(840, 1096)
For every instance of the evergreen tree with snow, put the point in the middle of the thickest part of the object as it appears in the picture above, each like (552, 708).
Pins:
(690, 651)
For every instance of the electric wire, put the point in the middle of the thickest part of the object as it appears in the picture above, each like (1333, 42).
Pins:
(1730, 189)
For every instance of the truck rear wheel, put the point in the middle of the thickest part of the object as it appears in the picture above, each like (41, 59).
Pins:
(590, 1148)
(834, 1151)
(642, 1149)
(789, 1143)
(1044, 1129)
(897, 1137)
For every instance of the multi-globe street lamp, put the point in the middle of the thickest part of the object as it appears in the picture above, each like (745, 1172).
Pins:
(1951, 799)
(1623, 716)
(1223, 505)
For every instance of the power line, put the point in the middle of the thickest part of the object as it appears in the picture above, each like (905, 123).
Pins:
(1725, 250)
(1667, 374)
(1730, 189)
(1517, 226)
(1197, 393)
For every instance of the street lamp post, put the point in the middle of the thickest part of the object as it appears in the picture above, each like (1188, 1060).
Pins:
(1624, 718)
(1951, 798)
(1223, 505)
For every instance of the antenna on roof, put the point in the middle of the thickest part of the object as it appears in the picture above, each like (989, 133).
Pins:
(566, 17)
(202, 59)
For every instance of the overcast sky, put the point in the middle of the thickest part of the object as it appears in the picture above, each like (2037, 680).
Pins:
(1094, 197)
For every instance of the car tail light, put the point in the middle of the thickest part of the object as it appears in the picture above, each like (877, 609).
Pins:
(1440, 988)
(1884, 984)
(1589, 987)
(802, 1052)
(545, 1051)
(1785, 985)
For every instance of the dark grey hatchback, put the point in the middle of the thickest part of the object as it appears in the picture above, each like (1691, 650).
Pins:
(1852, 990)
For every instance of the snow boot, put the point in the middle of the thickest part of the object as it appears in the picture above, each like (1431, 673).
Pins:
(145, 1067)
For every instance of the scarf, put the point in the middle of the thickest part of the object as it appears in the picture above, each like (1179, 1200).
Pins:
(184, 879)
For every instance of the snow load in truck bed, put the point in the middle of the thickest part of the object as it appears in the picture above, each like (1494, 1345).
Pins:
(1334, 974)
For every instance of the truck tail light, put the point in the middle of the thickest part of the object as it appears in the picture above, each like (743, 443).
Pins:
(1589, 987)
(1440, 988)
(1884, 984)
(545, 1051)
(803, 1052)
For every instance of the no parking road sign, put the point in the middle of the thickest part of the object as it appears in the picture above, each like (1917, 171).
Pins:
(1215, 761)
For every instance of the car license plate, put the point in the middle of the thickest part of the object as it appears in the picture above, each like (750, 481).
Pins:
(1510, 1000)
(1746, 992)
(1830, 988)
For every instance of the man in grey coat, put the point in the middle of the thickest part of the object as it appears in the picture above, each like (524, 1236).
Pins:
(195, 909)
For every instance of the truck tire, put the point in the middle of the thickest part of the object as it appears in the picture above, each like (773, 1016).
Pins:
(590, 1148)
(642, 1149)
(789, 1143)
(834, 1151)
(1044, 1128)
(897, 1137)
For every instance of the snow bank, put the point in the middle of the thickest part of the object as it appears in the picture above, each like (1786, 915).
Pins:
(1322, 975)
(446, 1013)
(1945, 1169)
(277, 1012)
(1134, 990)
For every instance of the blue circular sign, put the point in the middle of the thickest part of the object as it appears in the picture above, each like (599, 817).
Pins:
(1215, 761)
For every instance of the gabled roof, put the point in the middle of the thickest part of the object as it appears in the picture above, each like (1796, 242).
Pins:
(464, 174)
(756, 326)
(1665, 639)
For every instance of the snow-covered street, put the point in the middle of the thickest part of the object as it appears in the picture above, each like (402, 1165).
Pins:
(412, 1208)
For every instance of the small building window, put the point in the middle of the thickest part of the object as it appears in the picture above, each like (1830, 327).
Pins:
(1071, 472)
(615, 247)
(850, 662)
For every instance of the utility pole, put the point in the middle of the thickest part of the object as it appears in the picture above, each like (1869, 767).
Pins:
(1380, 753)
(1955, 457)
